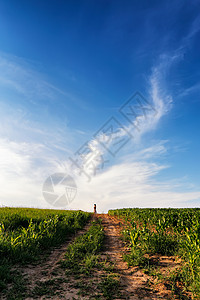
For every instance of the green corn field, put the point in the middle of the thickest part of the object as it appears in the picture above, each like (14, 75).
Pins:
(171, 232)
(25, 232)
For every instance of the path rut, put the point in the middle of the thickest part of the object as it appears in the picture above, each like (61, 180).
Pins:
(135, 283)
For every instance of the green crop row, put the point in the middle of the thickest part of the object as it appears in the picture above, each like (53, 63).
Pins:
(164, 232)
(25, 233)
(24, 236)
(177, 219)
(83, 259)
(81, 256)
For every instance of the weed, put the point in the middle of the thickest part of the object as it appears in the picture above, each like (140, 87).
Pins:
(109, 285)
(166, 232)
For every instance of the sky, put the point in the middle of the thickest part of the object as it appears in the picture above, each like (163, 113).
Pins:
(105, 93)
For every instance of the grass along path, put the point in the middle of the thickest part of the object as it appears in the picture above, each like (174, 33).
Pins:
(40, 279)
(90, 265)
(81, 270)
(135, 282)
(75, 270)
(51, 280)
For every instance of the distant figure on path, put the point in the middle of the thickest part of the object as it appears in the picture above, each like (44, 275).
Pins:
(95, 209)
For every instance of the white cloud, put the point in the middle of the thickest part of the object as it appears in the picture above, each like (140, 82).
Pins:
(130, 182)
(145, 115)
(20, 75)
(24, 168)
(130, 185)
(16, 74)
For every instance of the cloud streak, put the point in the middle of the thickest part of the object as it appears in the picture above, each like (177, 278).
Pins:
(132, 179)
(126, 184)
(22, 77)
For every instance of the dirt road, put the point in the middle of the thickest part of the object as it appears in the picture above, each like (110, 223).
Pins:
(48, 281)
(134, 282)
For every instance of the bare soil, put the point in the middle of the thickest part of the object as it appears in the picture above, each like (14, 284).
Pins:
(134, 283)
(49, 271)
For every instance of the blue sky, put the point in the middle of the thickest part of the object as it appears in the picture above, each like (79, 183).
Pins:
(66, 67)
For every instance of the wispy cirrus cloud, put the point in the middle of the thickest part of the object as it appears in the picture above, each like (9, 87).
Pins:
(24, 167)
(22, 76)
(129, 181)
(133, 180)
(144, 114)
(16, 73)
(132, 184)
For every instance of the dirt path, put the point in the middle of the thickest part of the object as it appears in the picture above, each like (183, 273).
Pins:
(47, 273)
(48, 277)
(135, 283)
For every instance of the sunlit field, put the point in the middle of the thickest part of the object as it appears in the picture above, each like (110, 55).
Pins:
(25, 233)
(164, 232)
(56, 253)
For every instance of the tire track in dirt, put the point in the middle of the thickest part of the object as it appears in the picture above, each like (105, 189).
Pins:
(134, 282)
(48, 270)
